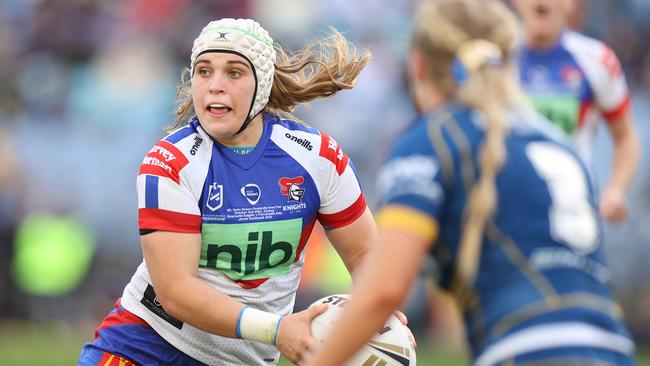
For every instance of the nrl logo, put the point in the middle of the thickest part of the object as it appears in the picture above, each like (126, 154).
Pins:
(215, 197)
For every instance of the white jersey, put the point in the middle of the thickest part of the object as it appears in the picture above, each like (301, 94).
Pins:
(255, 213)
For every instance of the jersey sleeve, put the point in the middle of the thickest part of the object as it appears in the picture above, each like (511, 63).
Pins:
(165, 200)
(611, 91)
(612, 94)
(410, 188)
(343, 201)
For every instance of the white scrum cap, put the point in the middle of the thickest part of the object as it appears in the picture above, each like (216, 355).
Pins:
(248, 39)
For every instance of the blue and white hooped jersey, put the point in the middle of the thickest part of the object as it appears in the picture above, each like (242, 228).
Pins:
(573, 84)
(255, 213)
(541, 280)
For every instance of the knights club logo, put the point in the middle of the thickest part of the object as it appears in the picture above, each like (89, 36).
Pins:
(291, 188)
(215, 197)
(571, 76)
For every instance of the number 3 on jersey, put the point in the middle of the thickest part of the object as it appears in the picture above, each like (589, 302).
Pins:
(571, 216)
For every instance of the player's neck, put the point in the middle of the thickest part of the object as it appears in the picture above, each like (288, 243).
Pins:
(543, 41)
(427, 97)
(250, 136)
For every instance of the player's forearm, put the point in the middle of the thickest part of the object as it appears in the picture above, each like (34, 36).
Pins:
(197, 303)
(383, 282)
(625, 160)
(351, 334)
(204, 307)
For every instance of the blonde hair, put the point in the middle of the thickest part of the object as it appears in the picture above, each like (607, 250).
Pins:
(480, 35)
(320, 69)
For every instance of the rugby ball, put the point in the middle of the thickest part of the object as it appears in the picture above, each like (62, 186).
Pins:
(390, 346)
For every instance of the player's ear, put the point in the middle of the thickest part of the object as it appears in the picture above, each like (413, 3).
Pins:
(416, 65)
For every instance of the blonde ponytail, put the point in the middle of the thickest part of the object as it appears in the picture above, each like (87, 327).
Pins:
(491, 157)
(478, 38)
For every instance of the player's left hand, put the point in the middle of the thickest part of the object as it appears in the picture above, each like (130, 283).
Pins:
(308, 356)
(294, 338)
(402, 318)
(613, 206)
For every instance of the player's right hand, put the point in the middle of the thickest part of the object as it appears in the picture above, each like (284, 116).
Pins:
(294, 338)
(613, 206)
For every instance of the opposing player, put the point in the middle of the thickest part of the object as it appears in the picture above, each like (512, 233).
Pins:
(574, 81)
(227, 202)
(489, 189)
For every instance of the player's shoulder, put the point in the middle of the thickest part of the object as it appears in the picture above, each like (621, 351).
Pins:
(308, 143)
(579, 44)
(190, 140)
(171, 154)
(411, 166)
(596, 59)
(436, 127)
(290, 133)
(415, 136)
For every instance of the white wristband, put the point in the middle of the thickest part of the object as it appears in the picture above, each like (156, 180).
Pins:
(257, 325)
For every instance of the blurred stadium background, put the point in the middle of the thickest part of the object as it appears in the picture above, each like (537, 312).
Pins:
(86, 87)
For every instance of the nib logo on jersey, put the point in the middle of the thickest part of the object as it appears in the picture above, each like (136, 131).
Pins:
(251, 251)
(292, 188)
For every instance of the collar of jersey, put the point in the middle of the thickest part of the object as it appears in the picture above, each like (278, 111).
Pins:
(248, 160)
(550, 51)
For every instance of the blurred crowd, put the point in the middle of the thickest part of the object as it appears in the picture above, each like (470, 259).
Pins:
(87, 86)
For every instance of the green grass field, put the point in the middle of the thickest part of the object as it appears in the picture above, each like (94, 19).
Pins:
(30, 344)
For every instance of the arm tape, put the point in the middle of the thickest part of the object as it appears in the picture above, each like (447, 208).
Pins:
(257, 325)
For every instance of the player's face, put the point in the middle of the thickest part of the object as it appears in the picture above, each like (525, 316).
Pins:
(223, 85)
(544, 18)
